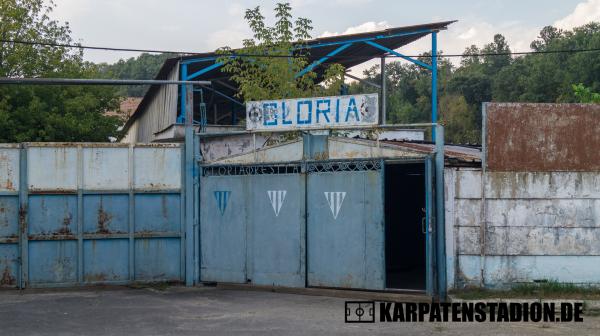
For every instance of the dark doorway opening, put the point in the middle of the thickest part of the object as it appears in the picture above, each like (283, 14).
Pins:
(404, 237)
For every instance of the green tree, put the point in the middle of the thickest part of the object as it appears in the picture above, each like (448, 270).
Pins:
(48, 113)
(144, 66)
(585, 94)
(274, 77)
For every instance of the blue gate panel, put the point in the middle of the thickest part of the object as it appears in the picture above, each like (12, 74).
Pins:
(9, 238)
(105, 214)
(276, 230)
(53, 261)
(9, 265)
(345, 230)
(157, 213)
(52, 214)
(105, 260)
(157, 259)
(9, 217)
(223, 228)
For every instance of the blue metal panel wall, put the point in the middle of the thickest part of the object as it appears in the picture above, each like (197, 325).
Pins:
(252, 225)
(345, 229)
(223, 222)
(91, 213)
(9, 216)
(9, 239)
(276, 225)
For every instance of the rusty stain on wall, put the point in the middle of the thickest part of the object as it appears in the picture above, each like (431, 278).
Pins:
(104, 219)
(543, 137)
(7, 278)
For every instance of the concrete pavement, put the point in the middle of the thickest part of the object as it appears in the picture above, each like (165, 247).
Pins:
(216, 311)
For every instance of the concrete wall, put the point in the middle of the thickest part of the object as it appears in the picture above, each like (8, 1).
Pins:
(538, 225)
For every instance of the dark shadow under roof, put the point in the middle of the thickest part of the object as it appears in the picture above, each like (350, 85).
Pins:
(354, 55)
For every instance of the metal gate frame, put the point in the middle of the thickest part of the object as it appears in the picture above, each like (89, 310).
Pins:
(438, 285)
(309, 166)
(344, 166)
(288, 169)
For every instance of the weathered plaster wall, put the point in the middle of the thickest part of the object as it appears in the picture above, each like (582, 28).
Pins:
(538, 225)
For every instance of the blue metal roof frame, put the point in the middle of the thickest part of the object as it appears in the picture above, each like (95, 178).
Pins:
(347, 50)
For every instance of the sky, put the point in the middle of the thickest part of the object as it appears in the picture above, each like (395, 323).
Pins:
(202, 25)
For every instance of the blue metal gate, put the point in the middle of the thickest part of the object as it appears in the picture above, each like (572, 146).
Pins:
(252, 225)
(345, 224)
(90, 213)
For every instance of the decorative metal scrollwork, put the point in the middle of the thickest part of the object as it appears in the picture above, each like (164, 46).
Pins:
(347, 165)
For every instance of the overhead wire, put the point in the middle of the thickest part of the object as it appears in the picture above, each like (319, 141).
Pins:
(233, 54)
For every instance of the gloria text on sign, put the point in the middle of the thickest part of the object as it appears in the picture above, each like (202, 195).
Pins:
(319, 112)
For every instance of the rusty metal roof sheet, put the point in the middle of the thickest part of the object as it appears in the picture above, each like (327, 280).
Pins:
(453, 153)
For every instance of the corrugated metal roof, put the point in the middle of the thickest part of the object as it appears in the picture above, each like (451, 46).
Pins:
(361, 52)
(456, 153)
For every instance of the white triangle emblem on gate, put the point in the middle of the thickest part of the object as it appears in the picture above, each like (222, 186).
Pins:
(277, 197)
(335, 200)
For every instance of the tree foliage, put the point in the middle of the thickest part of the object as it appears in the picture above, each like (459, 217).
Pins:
(275, 77)
(48, 113)
(585, 94)
(144, 66)
(494, 78)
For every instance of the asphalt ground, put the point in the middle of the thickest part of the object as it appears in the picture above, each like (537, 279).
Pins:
(217, 311)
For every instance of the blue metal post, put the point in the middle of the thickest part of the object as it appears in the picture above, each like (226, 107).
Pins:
(23, 214)
(429, 250)
(131, 212)
(182, 91)
(197, 159)
(188, 95)
(79, 214)
(434, 98)
(440, 227)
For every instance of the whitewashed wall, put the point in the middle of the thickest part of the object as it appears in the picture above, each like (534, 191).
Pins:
(538, 225)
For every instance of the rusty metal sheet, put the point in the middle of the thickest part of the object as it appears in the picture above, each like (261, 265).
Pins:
(157, 168)
(52, 168)
(542, 137)
(105, 168)
(9, 169)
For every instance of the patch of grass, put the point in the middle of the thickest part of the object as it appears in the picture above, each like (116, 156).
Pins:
(534, 290)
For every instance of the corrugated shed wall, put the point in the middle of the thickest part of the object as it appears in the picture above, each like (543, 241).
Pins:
(160, 113)
(538, 225)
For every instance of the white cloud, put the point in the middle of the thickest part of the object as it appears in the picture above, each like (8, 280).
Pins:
(584, 12)
(469, 34)
(361, 28)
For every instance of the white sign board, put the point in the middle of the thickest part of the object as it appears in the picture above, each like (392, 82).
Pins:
(307, 113)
